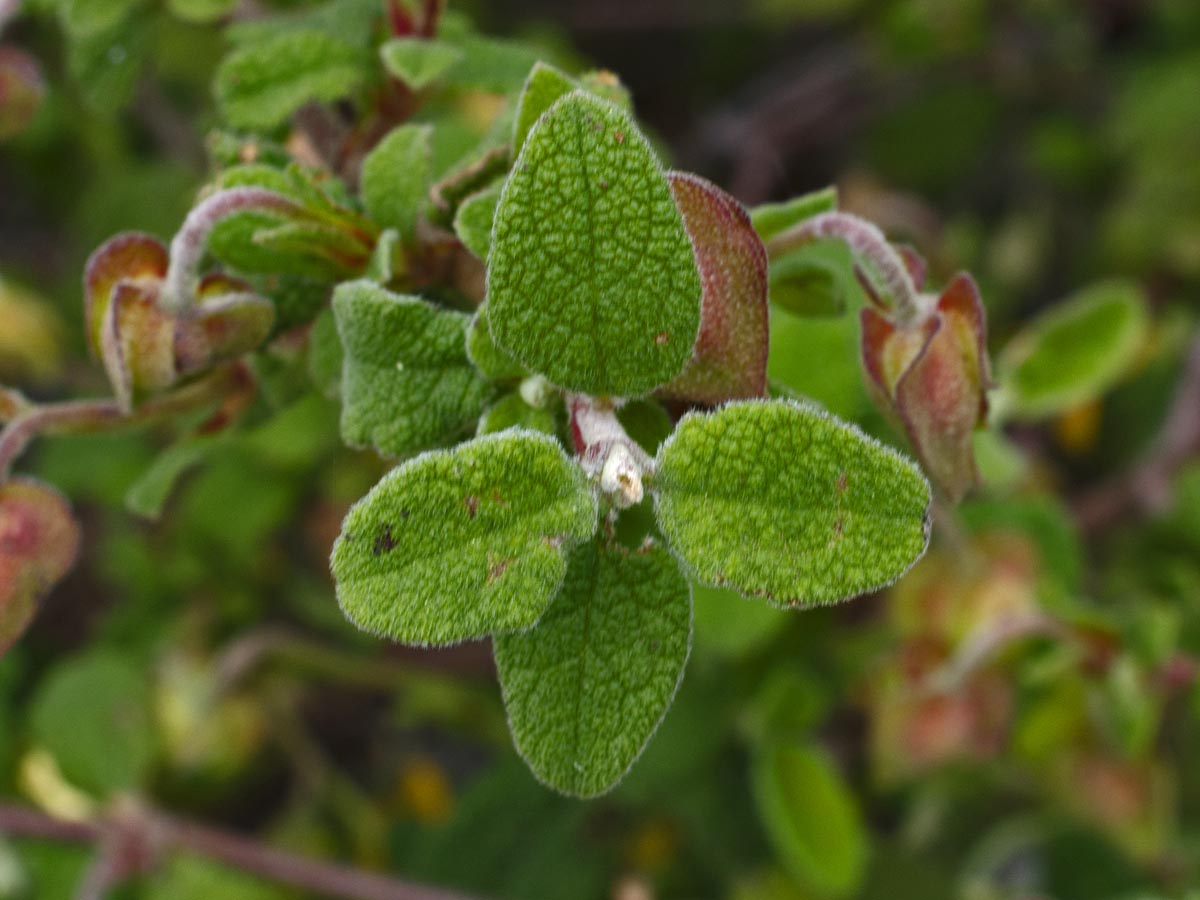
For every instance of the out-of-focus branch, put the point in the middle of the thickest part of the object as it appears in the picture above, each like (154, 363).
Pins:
(129, 842)
(1147, 488)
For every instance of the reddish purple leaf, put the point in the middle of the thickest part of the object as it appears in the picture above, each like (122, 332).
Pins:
(730, 358)
(39, 540)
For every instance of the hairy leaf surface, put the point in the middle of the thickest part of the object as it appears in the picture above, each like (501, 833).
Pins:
(587, 688)
(782, 501)
(591, 278)
(457, 544)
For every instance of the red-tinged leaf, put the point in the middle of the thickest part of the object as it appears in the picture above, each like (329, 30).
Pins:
(931, 378)
(130, 257)
(730, 359)
(39, 540)
(21, 90)
(222, 327)
(137, 343)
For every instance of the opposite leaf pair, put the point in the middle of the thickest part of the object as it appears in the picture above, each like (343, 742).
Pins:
(500, 536)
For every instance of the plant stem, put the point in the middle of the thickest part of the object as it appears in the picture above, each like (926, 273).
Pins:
(247, 854)
(606, 450)
(884, 267)
(89, 416)
(187, 247)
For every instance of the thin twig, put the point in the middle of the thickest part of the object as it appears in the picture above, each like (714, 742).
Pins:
(89, 416)
(163, 832)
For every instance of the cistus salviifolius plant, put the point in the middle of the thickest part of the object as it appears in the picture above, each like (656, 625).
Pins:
(560, 343)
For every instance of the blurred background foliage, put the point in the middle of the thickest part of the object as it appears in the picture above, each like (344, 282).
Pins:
(1018, 718)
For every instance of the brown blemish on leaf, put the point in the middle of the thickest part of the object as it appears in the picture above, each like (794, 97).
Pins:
(604, 184)
(838, 525)
(662, 339)
(619, 136)
(554, 541)
(498, 498)
(384, 542)
(471, 502)
(843, 482)
(497, 569)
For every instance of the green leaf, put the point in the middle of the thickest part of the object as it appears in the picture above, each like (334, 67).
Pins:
(812, 819)
(85, 18)
(457, 544)
(406, 381)
(513, 412)
(587, 687)
(730, 357)
(419, 62)
(544, 85)
(1074, 352)
(772, 218)
(396, 176)
(39, 540)
(591, 278)
(325, 356)
(260, 86)
(489, 359)
(728, 624)
(92, 714)
(148, 495)
(814, 279)
(782, 501)
(474, 217)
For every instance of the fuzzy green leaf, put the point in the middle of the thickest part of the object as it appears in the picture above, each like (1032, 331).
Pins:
(406, 381)
(458, 544)
(396, 176)
(260, 86)
(489, 359)
(513, 412)
(587, 688)
(591, 278)
(772, 218)
(474, 217)
(1074, 352)
(811, 817)
(419, 62)
(780, 500)
(544, 85)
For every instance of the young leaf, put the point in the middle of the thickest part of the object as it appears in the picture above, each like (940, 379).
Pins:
(782, 501)
(474, 217)
(457, 544)
(260, 86)
(490, 360)
(772, 218)
(544, 85)
(811, 817)
(1074, 352)
(513, 412)
(39, 540)
(587, 688)
(730, 357)
(591, 278)
(419, 62)
(815, 279)
(406, 381)
(396, 176)
(130, 256)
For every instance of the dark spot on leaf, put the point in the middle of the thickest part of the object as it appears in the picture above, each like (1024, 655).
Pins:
(619, 136)
(498, 498)
(842, 482)
(384, 542)
(471, 502)
(498, 568)
(662, 339)
(837, 526)
(404, 513)
(604, 184)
